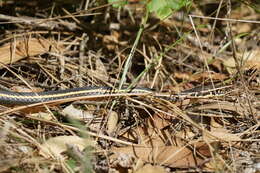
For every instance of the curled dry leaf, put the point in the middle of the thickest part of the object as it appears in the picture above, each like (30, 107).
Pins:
(151, 169)
(146, 135)
(218, 130)
(249, 59)
(23, 89)
(159, 121)
(43, 115)
(112, 122)
(241, 109)
(74, 113)
(22, 48)
(55, 146)
(222, 134)
(100, 67)
(155, 133)
(200, 76)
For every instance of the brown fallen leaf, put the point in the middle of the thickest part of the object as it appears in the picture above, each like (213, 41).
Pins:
(173, 156)
(241, 109)
(221, 132)
(22, 48)
(200, 76)
(148, 168)
(159, 121)
(250, 59)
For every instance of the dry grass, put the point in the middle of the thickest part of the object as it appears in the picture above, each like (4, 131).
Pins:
(67, 45)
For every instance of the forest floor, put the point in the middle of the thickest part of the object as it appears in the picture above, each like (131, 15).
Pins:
(205, 56)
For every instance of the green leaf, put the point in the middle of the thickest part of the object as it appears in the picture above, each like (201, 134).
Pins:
(155, 5)
(118, 3)
(178, 4)
(164, 12)
(164, 8)
(175, 4)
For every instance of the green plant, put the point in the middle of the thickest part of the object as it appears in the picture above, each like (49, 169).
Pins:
(164, 8)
